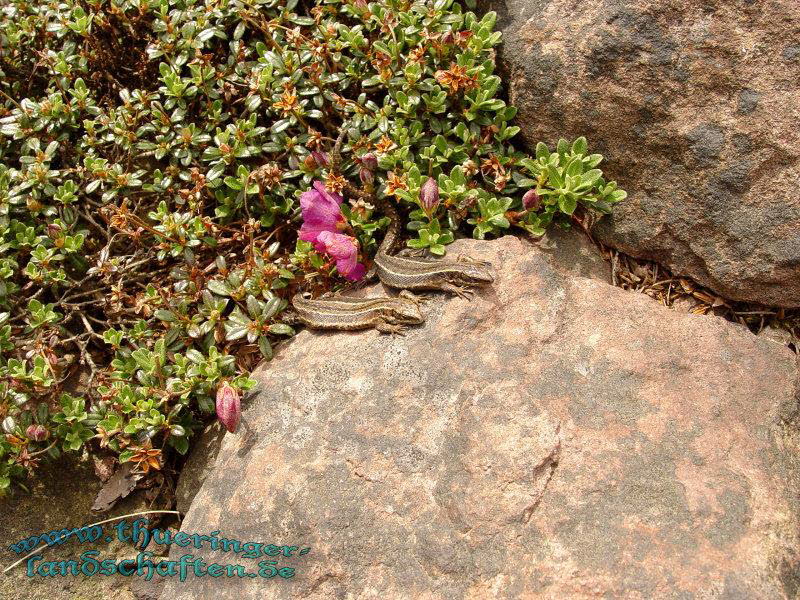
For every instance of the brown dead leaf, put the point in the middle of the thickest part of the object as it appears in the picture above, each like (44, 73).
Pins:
(104, 467)
(117, 487)
(703, 297)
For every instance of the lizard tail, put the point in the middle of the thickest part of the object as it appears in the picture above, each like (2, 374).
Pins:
(392, 235)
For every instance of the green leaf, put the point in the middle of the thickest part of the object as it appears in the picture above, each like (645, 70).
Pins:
(215, 171)
(567, 204)
(233, 183)
(195, 356)
(181, 444)
(165, 315)
(219, 287)
(580, 146)
(541, 151)
(281, 329)
(589, 178)
(265, 347)
(554, 177)
(499, 221)
(457, 176)
(441, 144)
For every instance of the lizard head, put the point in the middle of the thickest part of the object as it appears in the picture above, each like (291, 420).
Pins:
(473, 273)
(407, 313)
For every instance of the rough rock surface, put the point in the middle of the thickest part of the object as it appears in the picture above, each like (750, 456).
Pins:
(198, 465)
(695, 104)
(556, 437)
(61, 496)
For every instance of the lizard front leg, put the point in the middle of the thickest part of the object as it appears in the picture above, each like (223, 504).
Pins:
(390, 328)
(465, 258)
(461, 292)
(414, 253)
(290, 317)
(409, 295)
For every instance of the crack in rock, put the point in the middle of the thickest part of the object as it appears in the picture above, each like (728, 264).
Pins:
(548, 464)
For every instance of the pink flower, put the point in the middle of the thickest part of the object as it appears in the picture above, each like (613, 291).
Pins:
(531, 200)
(343, 248)
(321, 212)
(366, 176)
(369, 161)
(321, 158)
(229, 407)
(322, 223)
(429, 195)
(37, 433)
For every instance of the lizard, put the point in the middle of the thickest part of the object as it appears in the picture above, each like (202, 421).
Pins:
(421, 273)
(387, 315)
(407, 272)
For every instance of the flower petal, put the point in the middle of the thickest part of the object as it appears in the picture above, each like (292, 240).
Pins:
(331, 197)
(321, 212)
(344, 249)
(356, 272)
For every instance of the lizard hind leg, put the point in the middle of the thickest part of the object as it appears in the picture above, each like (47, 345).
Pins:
(370, 277)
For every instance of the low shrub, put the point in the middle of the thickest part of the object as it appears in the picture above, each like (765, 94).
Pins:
(152, 155)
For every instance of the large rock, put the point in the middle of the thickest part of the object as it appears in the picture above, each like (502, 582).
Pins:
(695, 104)
(556, 437)
(198, 465)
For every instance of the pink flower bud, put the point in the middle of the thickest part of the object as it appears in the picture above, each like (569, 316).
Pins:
(369, 161)
(37, 433)
(229, 407)
(531, 200)
(366, 176)
(429, 195)
(321, 158)
(53, 230)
